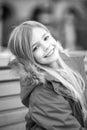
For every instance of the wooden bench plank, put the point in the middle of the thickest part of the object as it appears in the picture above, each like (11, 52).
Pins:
(17, 126)
(11, 117)
(9, 88)
(12, 102)
(5, 57)
(8, 74)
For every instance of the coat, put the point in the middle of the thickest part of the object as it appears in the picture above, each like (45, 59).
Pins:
(49, 106)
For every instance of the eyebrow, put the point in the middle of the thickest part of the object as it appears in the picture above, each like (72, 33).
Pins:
(37, 41)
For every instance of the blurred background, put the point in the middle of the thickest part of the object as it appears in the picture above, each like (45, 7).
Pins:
(66, 19)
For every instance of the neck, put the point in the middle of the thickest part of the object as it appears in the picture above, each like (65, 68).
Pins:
(55, 65)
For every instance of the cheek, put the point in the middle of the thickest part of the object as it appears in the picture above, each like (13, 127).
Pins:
(38, 54)
(52, 40)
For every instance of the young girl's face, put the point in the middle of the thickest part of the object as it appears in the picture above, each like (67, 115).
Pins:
(44, 47)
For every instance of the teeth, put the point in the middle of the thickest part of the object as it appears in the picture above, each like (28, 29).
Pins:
(50, 53)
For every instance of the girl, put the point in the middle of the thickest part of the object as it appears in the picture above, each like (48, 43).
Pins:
(52, 86)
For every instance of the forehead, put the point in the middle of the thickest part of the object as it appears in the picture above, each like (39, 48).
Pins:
(37, 34)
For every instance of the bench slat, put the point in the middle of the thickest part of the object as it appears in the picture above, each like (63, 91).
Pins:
(13, 102)
(9, 88)
(19, 126)
(11, 117)
(8, 74)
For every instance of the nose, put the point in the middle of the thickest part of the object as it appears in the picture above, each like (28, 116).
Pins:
(45, 45)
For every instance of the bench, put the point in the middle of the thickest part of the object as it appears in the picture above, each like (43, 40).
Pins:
(12, 111)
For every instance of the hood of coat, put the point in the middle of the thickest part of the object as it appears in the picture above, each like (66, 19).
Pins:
(28, 84)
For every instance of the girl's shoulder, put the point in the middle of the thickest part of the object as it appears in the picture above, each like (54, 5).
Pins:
(43, 92)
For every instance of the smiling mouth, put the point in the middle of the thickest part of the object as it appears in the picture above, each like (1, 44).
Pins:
(49, 53)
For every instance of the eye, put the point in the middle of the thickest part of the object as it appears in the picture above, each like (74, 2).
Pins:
(35, 48)
(46, 38)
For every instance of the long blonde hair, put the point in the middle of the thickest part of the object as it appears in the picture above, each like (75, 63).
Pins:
(20, 46)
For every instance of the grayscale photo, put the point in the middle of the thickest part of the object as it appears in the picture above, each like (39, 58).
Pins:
(43, 65)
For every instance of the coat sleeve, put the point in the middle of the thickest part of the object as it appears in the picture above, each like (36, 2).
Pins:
(53, 113)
